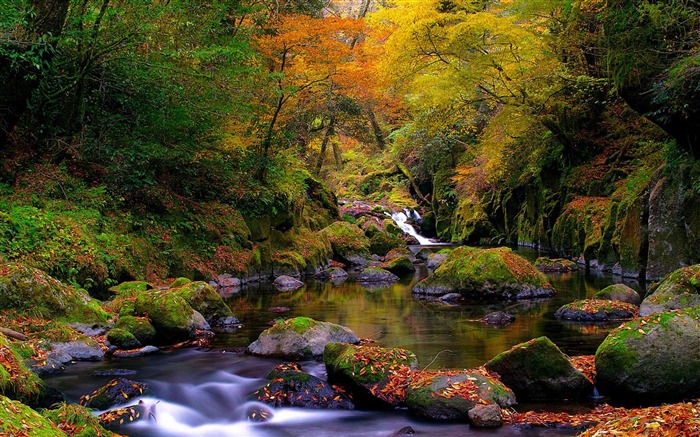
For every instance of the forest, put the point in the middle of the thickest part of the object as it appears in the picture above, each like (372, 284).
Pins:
(233, 141)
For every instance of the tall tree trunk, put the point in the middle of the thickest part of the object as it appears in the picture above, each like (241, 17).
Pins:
(376, 129)
(19, 79)
(330, 131)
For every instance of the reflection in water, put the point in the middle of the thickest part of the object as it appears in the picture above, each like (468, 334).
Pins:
(204, 392)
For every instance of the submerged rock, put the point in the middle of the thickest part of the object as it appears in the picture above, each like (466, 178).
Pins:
(538, 370)
(592, 310)
(652, 359)
(300, 338)
(290, 387)
(679, 289)
(115, 392)
(486, 274)
(368, 372)
(118, 418)
(498, 318)
(619, 292)
(450, 395)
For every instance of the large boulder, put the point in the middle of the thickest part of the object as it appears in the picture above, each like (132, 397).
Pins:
(486, 274)
(203, 298)
(300, 338)
(679, 289)
(288, 386)
(375, 274)
(399, 261)
(349, 243)
(538, 370)
(30, 290)
(139, 327)
(130, 288)
(116, 392)
(370, 373)
(449, 395)
(171, 315)
(619, 292)
(593, 310)
(651, 359)
(559, 265)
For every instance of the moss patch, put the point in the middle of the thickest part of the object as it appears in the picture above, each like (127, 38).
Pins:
(16, 419)
(16, 380)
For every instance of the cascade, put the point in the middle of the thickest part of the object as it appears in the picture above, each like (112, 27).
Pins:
(401, 218)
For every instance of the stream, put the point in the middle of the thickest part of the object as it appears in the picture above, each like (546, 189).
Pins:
(202, 392)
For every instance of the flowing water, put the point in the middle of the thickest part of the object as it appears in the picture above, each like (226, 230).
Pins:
(401, 219)
(202, 392)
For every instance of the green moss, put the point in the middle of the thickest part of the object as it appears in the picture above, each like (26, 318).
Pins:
(123, 339)
(538, 358)
(79, 418)
(169, 313)
(382, 242)
(297, 324)
(139, 327)
(180, 282)
(16, 380)
(346, 239)
(17, 419)
(365, 365)
(203, 298)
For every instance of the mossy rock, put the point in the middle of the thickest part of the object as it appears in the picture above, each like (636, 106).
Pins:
(78, 418)
(300, 338)
(382, 242)
(391, 228)
(140, 327)
(679, 289)
(652, 359)
(30, 290)
(399, 265)
(288, 263)
(423, 254)
(367, 371)
(123, 339)
(619, 292)
(593, 310)
(486, 274)
(179, 282)
(349, 243)
(289, 386)
(171, 315)
(16, 380)
(130, 288)
(17, 419)
(116, 392)
(332, 273)
(545, 264)
(376, 275)
(203, 298)
(449, 395)
(538, 370)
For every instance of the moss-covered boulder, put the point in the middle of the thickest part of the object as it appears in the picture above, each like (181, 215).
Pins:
(17, 419)
(123, 339)
(350, 244)
(383, 242)
(203, 298)
(538, 370)
(289, 386)
(78, 418)
(116, 392)
(171, 315)
(399, 261)
(545, 264)
(435, 260)
(619, 292)
(376, 275)
(679, 289)
(26, 289)
(139, 327)
(390, 227)
(375, 375)
(593, 310)
(423, 254)
(179, 282)
(16, 380)
(449, 395)
(651, 359)
(486, 274)
(300, 338)
(131, 288)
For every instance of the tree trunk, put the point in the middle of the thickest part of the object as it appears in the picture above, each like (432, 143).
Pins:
(376, 129)
(330, 130)
(19, 79)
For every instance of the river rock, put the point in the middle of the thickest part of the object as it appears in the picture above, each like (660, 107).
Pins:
(118, 418)
(679, 289)
(538, 370)
(171, 315)
(349, 243)
(123, 339)
(287, 283)
(333, 274)
(449, 395)
(652, 359)
(290, 387)
(32, 291)
(592, 310)
(139, 327)
(486, 274)
(498, 318)
(423, 254)
(203, 298)
(375, 274)
(258, 413)
(133, 353)
(486, 416)
(80, 350)
(620, 292)
(116, 392)
(300, 338)
(369, 372)
(435, 260)
(398, 263)
(559, 265)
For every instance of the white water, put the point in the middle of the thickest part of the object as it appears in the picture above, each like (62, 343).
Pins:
(401, 217)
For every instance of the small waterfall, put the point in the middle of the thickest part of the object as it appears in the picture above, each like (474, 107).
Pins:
(401, 218)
